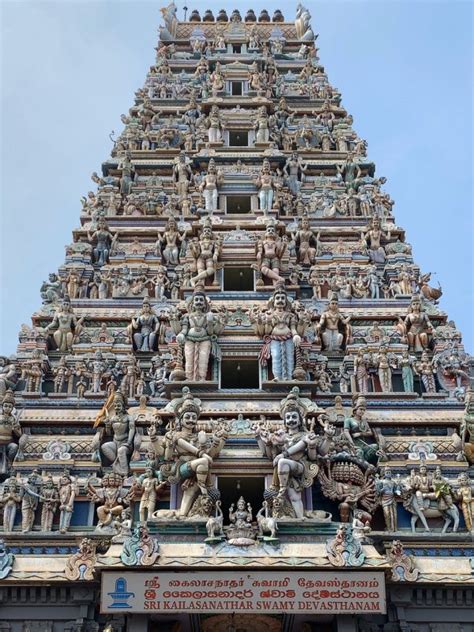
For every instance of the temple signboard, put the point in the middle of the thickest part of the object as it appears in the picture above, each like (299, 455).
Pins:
(217, 591)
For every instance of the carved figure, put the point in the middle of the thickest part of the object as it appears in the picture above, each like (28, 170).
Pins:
(358, 433)
(205, 253)
(65, 325)
(10, 428)
(294, 170)
(122, 427)
(10, 500)
(67, 495)
(425, 369)
(214, 524)
(145, 324)
(265, 182)
(209, 186)
(270, 251)
(49, 503)
(417, 326)
(307, 243)
(29, 500)
(188, 453)
(112, 498)
(465, 496)
(148, 486)
(266, 523)
(388, 490)
(197, 330)
(281, 327)
(104, 242)
(334, 328)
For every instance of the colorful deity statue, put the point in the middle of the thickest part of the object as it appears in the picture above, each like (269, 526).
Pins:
(187, 453)
(281, 326)
(197, 331)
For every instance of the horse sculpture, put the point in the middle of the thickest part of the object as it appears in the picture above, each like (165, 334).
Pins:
(430, 506)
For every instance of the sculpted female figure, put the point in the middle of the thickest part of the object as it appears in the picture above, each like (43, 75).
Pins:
(265, 182)
(197, 331)
(307, 243)
(418, 327)
(294, 171)
(215, 125)
(10, 429)
(188, 453)
(104, 241)
(10, 499)
(372, 240)
(169, 244)
(209, 185)
(262, 126)
(359, 434)
(66, 326)
(145, 325)
(333, 327)
(361, 371)
(122, 428)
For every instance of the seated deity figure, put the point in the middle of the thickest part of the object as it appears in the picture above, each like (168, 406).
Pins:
(52, 290)
(417, 326)
(270, 250)
(266, 183)
(333, 327)
(188, 453)
(209, 185)
(169, 244)
(104, 241)
(360, 436)
(215, 125)
(65, 326)
(372, 240)
(294, 170)
(145, 326)
(197, 330)
(10, 429)
(307, 243)
(294, 467)
(281, 327)
(205, 252)
(122, 428)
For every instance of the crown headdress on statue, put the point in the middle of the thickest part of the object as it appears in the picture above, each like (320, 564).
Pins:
(189, 404)
(9, 397)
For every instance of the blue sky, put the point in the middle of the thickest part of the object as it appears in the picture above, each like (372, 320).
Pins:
(69, 69)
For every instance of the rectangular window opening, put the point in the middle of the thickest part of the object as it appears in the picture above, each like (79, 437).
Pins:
(240, 373)
(237, 87)
(238, 138)
(236, 48)
(238, 204)
(238, 280)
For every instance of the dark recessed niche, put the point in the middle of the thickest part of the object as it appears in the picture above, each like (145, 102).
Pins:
(238, 280)
(240, 373)
(238, 139)
(237, 204)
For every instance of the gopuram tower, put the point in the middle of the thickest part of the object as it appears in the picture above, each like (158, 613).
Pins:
(239, 406)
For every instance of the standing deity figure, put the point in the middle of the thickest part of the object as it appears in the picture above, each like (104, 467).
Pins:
(266, 183)
(98, 369)
(215, 125)
(33, 371)
(158, 376)
(388, 490)
(385, 364)
(62, 376)
(10, 500)
(270, 250)
(425, 369)
(334, 328)
(161, 283)
(361, 371)
(205, 252)
(417, 326)
(360, 436)
(465, 497)
(169, 244)
(306, 242)
(294, 170)
(197, 332)
(122, 428)
(188, 453)
(49, 503)
(67, 495)
(10, 429)
(372, 240)
(406, 362)
(66, 326)
(148, 487)
(145, 325)
(209, 184)
(130, 380)
(104, 241)
(112, 498)
(281, 327)
(192, 113)
(182, 175)
(262, 126)
(29, 500)
(294, 465)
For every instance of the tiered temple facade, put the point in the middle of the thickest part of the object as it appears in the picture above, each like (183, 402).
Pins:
(239, 406)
